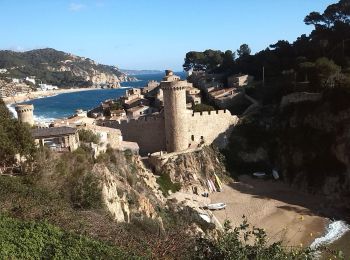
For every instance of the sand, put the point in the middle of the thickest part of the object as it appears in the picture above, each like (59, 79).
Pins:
(39, 94)
(286, 215)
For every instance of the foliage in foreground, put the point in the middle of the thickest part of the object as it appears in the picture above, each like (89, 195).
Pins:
(15, 138)
(39, 240)
(247, 242)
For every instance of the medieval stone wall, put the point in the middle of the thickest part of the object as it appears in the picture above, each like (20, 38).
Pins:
(210, 126)
(148, 132)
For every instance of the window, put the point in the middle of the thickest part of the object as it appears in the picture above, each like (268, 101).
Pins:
(192, 137)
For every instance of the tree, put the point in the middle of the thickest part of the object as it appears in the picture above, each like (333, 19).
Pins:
(327, 71)
(243, 50)
(313, 18)
(228, 59)
(88, 136)
(208, 60)
(15, 138)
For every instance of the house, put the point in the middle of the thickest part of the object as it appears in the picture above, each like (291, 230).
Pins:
(138, 111)
(237, 81)
(60, 139)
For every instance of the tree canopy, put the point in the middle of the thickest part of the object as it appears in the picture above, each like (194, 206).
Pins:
(321, 59)
(15, 138)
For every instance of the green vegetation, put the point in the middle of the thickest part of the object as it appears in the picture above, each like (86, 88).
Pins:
(87, 136)
(40, 240)
(202, 107)
(15, 138)
(247, 242)
(167, 185)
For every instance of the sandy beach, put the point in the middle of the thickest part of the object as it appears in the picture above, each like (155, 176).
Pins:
(39, 94)
(286, 214)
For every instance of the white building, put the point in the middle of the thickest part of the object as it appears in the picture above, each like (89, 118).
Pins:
(46, 87)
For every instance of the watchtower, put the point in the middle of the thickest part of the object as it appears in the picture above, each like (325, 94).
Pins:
(25, 113)
(175, 115)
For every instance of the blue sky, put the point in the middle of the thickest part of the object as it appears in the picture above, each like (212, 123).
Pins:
(150, 34)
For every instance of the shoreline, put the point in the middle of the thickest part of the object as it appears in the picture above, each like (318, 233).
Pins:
(42, 94)
(285, 214)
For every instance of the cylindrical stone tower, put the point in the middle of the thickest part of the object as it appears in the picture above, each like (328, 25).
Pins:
(174, 94)
(25, 114)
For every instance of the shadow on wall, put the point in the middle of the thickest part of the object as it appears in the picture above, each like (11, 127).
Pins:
(223, 139)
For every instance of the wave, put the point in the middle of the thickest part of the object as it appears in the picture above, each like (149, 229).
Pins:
(12, 109)
(40, 119)
(335, 231)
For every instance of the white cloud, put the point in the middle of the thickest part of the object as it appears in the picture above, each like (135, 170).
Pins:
(75, 7)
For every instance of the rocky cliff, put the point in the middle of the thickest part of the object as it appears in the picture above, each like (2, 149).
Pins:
(305, 140)
(60, 68)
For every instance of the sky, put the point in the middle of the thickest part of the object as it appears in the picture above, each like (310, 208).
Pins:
(151, 34)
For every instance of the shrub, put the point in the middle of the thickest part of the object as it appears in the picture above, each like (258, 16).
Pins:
(39, 240)
(87, 136)
(166, 184)
(247, 242)
(87, 192)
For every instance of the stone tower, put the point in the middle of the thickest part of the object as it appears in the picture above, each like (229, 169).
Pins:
(25, 114)
(175, 115)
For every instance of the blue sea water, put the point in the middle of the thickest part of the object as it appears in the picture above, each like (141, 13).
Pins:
(64, 105)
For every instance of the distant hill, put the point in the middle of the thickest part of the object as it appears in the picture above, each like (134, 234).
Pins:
(141, 72)
(59, 68)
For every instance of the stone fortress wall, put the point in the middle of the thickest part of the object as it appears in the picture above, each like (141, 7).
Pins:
(176, 128)
(148, 132)
(210, 126)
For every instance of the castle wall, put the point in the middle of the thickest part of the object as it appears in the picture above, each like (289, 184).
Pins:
(210, 126)
(148, 132)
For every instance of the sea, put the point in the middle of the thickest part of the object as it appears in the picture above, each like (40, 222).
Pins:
(337, 233)
(48, 109)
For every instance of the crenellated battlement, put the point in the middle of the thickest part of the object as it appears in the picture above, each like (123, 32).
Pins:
(174, 85)
(24, 108)
(211, 113)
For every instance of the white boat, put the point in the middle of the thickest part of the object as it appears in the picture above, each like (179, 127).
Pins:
(275, 174)
(216, 206)
(259, 174)
(205, 217)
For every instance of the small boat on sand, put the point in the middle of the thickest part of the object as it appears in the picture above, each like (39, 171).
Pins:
(259, 174)
(205, 217)
(216, 206)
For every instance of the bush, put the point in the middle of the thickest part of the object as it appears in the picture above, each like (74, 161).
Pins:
(87, 136)
(246, 242)
(86, 193)
(166, 184)
(39, 240)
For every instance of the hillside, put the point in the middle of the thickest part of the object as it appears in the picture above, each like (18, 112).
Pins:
(59, 68)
